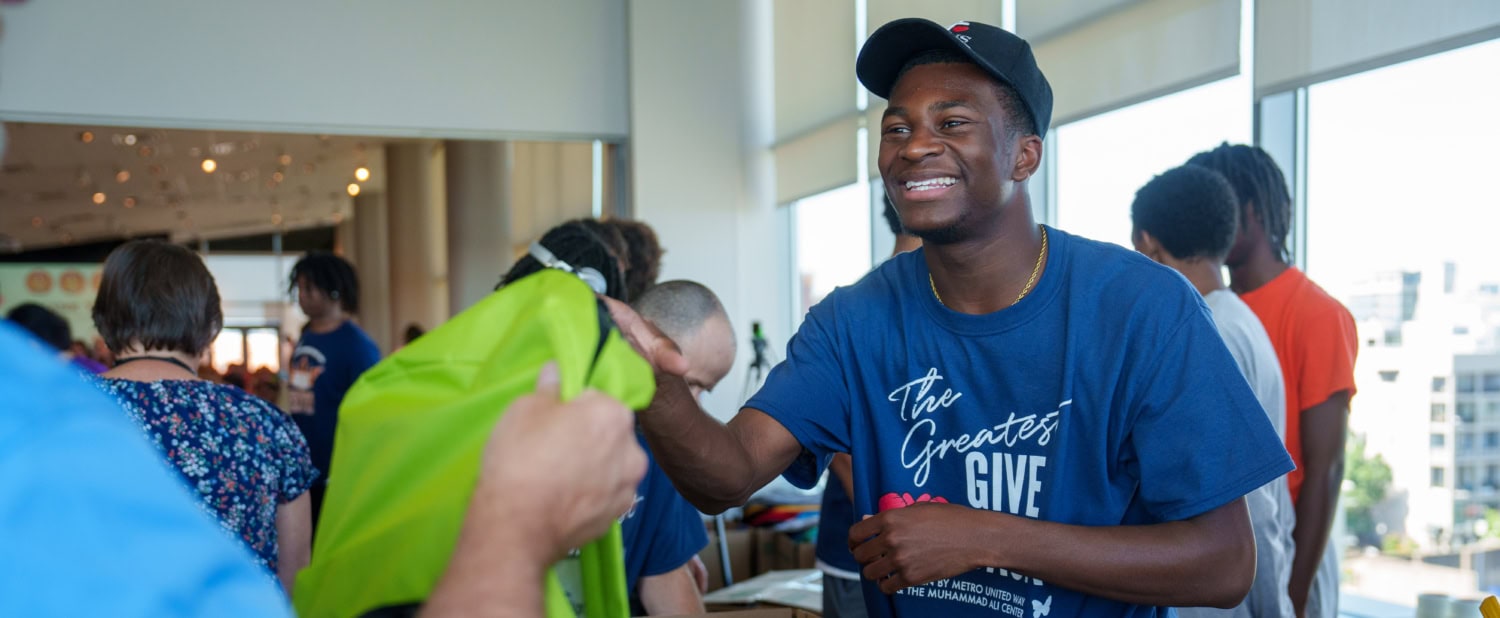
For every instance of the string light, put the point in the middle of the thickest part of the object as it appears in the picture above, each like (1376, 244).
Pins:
(362, 174)
(353, 189)
(99, 198)
(209, 165)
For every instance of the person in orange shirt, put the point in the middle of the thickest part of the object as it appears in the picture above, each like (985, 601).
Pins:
(1314, 337)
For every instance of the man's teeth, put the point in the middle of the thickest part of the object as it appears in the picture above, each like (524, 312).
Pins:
(931, 184)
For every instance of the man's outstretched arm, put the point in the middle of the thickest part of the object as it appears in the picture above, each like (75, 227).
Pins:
(713, 465)
(1208, 560)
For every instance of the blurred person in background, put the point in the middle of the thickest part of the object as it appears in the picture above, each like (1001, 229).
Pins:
(413, 331)
(332, 353)
(158, 310)
(1316, 342)
(84, 357)
(53, 329)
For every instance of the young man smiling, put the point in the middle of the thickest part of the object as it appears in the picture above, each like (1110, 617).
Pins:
(1040, 425)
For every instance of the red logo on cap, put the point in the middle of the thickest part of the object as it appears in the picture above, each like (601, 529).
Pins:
(960, 28)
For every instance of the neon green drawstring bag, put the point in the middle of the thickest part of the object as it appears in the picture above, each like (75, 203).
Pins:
(407, 450)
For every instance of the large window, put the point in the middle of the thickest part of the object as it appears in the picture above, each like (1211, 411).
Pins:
(1401, 163)
(833, 242)
(1102, 161)
(1401, 227)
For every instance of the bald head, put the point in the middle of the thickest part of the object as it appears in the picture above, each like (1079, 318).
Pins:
(694, 318)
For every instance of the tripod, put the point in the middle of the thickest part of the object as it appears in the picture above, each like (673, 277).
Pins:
(754, 376)
(759, 365)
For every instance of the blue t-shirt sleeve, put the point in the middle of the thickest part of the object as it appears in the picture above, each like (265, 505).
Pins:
(807, 394)
(1200, 438)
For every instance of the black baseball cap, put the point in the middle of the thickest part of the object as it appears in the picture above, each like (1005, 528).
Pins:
(1003, 55)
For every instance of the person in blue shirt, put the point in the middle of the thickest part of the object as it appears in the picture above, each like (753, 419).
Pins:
(1039, 424)
(332, 353)
(841, 590)
(662, 532)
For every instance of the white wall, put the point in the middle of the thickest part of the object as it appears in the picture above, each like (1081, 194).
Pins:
(445, 68)
(700, 105)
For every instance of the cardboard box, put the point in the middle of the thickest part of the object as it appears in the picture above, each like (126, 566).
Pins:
(741, 557)
(807, 556)
(775, 551)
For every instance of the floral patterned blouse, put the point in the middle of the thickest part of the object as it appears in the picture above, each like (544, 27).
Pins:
(242, 455)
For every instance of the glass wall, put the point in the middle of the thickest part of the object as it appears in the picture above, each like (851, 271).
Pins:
(1401, 225)
(1103, 160)
(832, 234)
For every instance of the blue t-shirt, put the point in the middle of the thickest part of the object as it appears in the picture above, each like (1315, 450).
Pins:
(662, 531)
(834, 519)
(323, 367)
(95, 523)
(1105, 397)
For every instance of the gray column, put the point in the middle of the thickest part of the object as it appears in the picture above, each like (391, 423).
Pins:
(479, 234)
(418, 261)
(370, 254)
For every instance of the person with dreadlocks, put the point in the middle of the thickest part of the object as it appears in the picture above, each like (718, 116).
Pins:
(584, 247)
(1316, 342)
(330, 356)
(642, 260)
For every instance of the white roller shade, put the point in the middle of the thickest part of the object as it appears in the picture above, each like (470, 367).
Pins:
(814, 64)
(945, 12)
(446, 68)
(1301, 42)
(816, 111)
(1039, 20)
(1137, 52)
(818, 161)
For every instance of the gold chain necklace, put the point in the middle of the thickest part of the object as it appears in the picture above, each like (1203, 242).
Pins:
(1030, 281)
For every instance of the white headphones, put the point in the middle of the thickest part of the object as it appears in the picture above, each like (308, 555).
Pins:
(593, 278)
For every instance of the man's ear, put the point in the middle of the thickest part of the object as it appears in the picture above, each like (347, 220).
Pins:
(1028, 158)
(1148, 246)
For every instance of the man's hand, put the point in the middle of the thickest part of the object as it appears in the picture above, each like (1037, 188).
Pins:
(561, 471)
(915, 545)
(648, 341)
